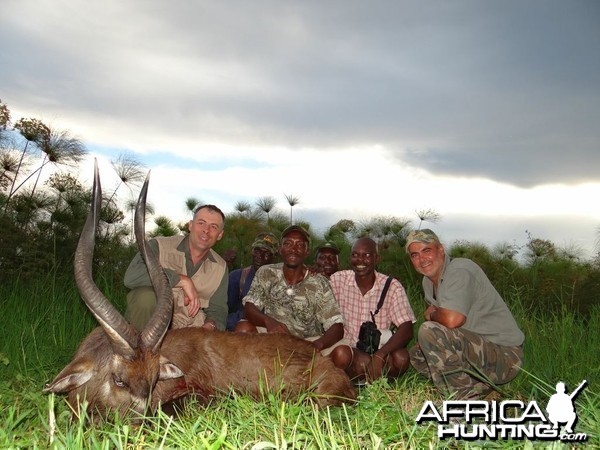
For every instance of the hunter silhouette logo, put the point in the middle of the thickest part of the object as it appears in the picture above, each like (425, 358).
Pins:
(561, 408)
(508, 419)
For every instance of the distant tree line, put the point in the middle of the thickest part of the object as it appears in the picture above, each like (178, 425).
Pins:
(40, 225)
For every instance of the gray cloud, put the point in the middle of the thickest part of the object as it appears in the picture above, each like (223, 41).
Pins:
(507, 90)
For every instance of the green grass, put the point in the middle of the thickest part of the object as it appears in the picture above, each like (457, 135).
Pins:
(43, 324)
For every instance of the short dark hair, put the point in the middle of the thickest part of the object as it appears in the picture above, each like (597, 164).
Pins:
(212, 208)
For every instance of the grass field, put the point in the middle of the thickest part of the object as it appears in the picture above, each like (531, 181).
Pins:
(42, 324)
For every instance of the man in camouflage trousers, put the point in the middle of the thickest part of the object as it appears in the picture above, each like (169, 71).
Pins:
(469, 337)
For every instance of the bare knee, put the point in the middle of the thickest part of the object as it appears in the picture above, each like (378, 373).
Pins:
(245, 326)
(342, 356)
(360, 363)
(399, 361)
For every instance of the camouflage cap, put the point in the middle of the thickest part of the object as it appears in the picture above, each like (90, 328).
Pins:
(424, 236)
(268, 241)
(298, 228)
(328, 245)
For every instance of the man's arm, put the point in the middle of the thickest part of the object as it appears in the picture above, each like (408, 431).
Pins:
(254, 315)
(137, 272)
(328, 314)
(259, 319)
(217, 309)
(444, 316)
(399, 339)
(332, 335)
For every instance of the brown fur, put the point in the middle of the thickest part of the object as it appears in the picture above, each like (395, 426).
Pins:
(212, 363)
(215, 362)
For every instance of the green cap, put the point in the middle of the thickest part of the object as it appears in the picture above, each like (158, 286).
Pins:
(328, 245)
(298, 228)
(268, 241)
(424, 236)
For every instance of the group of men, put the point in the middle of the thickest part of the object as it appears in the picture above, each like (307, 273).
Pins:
(361, 318)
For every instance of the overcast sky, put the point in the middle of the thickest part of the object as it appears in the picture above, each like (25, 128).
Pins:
(487, 112)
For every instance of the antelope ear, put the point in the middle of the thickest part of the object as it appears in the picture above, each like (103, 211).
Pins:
(77, 373)
(168, 370)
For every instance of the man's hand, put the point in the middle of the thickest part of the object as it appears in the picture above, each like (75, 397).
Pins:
(444, 316)
(318, 343)
(190, 296)
(209, 325)
(275, 326)
(430, 309)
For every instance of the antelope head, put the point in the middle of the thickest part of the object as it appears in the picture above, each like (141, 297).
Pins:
(116, 367)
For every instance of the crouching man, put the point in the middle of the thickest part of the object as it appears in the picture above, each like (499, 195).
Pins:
(468, 329)
(366, 295)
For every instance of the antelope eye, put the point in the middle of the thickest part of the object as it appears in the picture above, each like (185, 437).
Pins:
(120, 383)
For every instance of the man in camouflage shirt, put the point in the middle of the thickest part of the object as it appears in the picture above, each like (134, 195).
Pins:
(286, 298)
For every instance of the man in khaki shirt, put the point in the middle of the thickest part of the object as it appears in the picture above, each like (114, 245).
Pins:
(197, 274)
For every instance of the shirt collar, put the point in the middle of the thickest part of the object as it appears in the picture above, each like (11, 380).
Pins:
(184, 246)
